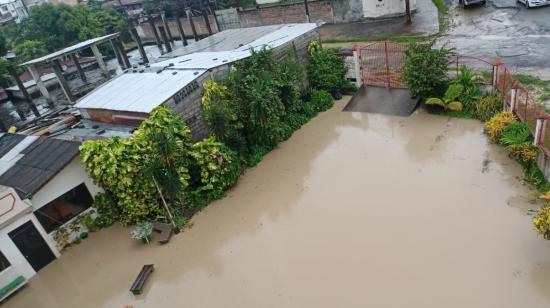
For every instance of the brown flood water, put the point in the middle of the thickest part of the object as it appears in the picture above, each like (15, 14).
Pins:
(355, 210)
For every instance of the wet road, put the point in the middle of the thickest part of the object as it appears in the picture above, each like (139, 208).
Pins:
(520, 36)
(354, 210)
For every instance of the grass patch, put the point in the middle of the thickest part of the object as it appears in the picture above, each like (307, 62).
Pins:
(384, 37)
(535, 178)
(539, 87)
(441, 6)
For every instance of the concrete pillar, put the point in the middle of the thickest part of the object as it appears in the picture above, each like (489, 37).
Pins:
(206, 21)
(122, 52)
(495, 76)
(192, 23)
(539, 131)
(136, 38)
(155, 33)
(3, 126)
(36, 76)
(20, 113)
(167, 28)
(165, 39)
(357, 69)
(180, 29)
(64, 85)
(513, 97)
(78, 67)
(23, 90)
(99, 59)
(117, 54)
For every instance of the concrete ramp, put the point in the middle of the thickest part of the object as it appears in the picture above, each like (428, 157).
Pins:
(396, 102)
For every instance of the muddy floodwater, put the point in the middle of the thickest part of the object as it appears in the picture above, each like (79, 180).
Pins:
(354, 210)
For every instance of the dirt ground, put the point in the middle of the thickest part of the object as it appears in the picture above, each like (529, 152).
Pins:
(354, 210)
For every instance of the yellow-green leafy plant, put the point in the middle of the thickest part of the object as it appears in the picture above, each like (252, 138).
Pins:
(449, 101)
(523, 152)
(496, 125)
(218, 168)
(125, 167)
(542, 218)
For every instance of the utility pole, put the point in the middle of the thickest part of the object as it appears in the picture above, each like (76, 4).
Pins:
(407, 11)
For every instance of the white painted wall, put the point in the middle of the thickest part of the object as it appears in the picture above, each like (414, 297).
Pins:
(385, 8)
(68, 178)
(19, 265)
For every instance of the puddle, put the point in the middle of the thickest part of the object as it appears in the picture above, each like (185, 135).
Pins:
(354, 210)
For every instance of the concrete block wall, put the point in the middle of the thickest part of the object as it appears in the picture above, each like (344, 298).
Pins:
(146, 33)
(286, 13)
(190, 109)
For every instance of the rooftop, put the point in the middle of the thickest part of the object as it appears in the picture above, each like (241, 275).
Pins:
(33, 161)
(71, 49)
(142, 89)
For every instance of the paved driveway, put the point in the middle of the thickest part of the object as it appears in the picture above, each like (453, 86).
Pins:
(520, 36)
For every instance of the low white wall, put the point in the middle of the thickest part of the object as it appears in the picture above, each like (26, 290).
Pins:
(68, 178)
(385, 8)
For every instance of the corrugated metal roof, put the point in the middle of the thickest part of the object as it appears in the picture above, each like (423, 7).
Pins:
(8, 142)
(202, 60)
(142, 92)
(138, 92)
(41, 161)
(226, 40)
(71, 49)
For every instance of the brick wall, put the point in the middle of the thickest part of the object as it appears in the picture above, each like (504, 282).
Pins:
(146, 33)
(286, 13)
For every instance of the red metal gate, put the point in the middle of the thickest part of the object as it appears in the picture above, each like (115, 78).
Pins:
(381, 64)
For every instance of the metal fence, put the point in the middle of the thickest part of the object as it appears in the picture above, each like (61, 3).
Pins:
(381, 64)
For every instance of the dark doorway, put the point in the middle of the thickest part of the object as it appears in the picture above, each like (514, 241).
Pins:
(32, 245)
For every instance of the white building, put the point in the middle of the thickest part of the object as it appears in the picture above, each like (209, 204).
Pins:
(43, 188)
(14, 9)
(385, 8)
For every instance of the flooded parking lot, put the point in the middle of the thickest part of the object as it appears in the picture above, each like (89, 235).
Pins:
(354, 210)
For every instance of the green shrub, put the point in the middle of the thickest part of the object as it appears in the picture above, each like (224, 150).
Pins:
(496, 125)
(125, 167)
(218, 168)
(525, 152)
(487, 106)
(470, 92)
(425, 70)
(515, 133)
(325, 70)
(107, 211)
(449, 101)
(321, 100)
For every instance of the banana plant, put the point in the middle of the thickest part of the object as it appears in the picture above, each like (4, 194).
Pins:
(449, 101)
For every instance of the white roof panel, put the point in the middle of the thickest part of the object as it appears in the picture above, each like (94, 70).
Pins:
(138, 92)
(202, 60)
(142, 92)
(71, 49)
(276, 38)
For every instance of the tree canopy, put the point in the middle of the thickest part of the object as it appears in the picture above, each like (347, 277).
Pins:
(52, 27)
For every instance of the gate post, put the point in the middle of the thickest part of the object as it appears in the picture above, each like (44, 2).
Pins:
(513, 95)
(495, 76)
(387, 64)
(539, 131)
(357, 67)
